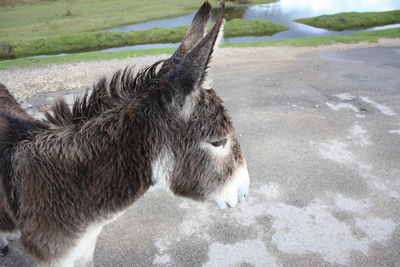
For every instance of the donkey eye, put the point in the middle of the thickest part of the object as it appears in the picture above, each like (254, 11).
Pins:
(221, 142)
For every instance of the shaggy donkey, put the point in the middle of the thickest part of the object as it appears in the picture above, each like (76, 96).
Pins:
(63, 179)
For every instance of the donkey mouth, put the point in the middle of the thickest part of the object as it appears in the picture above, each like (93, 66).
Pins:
(230, 204)
(221, 204)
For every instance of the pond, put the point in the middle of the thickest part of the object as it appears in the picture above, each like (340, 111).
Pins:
(282, 12)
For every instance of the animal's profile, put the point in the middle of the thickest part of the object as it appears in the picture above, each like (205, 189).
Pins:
(63, 179)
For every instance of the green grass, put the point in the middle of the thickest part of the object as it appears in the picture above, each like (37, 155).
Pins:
(100, 40)
(64, 17)
(72, 58)
(371, 36)
(353, 20)
(254, 27)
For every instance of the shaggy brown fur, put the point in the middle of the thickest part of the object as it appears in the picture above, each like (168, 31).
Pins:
(83, 166)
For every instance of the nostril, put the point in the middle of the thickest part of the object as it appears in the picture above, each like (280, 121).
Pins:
(4, 251)
(242, 197)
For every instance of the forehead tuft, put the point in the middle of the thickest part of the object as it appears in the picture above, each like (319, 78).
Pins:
(211, 115)
(211, 103)
(209, 98)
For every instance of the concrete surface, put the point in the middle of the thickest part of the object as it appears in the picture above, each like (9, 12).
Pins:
(321, 131)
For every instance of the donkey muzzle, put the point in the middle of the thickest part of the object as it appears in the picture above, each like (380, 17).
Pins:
(235, 190)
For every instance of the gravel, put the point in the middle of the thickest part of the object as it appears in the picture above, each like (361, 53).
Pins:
(27, 82)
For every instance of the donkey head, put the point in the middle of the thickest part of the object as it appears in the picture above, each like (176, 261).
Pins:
(202, 158)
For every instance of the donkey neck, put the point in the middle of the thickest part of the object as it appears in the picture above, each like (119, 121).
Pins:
(102, 167)
(120, 171)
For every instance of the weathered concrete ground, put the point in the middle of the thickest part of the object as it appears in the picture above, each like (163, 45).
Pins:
(321, 131)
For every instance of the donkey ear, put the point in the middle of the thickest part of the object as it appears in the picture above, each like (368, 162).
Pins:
(191, 71)
(194, 35)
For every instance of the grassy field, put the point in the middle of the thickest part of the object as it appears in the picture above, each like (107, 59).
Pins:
(100, 40)
(371, 36)
(63, 17)
(353, 20)
(18, 2)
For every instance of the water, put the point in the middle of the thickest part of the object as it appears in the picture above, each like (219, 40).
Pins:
(286, 11)
(282, 12)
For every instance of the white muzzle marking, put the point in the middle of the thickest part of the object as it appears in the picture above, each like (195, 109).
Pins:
(235, 190)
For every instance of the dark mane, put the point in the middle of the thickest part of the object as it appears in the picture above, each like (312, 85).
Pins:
(122, 87)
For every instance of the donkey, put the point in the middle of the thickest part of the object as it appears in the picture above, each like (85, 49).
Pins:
(62, 179)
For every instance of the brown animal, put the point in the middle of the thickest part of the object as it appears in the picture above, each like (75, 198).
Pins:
(63, 179)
